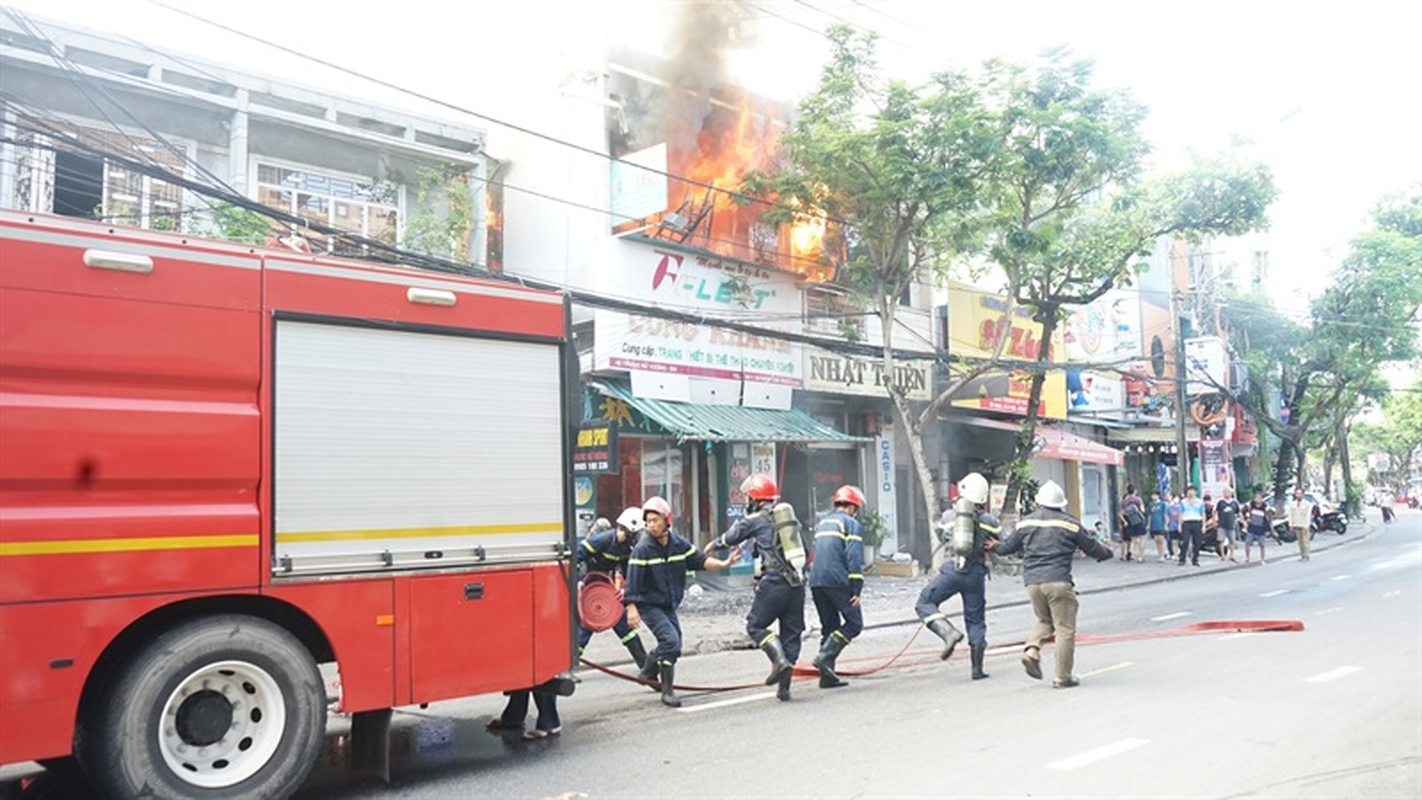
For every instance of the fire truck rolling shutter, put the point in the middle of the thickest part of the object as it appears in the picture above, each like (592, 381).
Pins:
(397, 449)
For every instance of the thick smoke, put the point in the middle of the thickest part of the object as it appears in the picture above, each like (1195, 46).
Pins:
(702, 36)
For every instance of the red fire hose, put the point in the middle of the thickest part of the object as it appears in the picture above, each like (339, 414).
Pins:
(599, 601)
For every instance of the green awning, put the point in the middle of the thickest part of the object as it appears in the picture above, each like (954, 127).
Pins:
(689, 421)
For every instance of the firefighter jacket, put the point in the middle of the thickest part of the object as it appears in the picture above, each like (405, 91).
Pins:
(1048, 539)
(601, 552)
(985, 526)
(656, 574)
(839, 553)
(770, 560)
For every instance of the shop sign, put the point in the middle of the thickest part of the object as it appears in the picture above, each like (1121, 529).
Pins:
(838, 374)
(595, 450)
(975, 327)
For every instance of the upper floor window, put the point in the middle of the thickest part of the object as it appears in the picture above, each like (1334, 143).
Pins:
(359, 207)
(55, 175)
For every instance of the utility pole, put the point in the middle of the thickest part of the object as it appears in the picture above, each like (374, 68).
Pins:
(1182, 461)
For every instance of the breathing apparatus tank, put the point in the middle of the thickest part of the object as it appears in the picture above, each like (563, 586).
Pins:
(965, 523)
(787, 530)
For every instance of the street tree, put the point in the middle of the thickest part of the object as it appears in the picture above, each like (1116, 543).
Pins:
(1366, 318)
(1071, 217)
(903, 168)
(1397, 434)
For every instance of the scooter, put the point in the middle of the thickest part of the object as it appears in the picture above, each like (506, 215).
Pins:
(1335, 521)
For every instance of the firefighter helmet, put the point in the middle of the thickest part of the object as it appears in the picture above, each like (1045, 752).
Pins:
(760, 487)
(849, 494)
(974, 487)
(657, 505)
(1051, 496)
(631, 519)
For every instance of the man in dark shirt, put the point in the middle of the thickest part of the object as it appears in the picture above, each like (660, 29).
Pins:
(1048, 538)
(1227, 523)
(656, 582)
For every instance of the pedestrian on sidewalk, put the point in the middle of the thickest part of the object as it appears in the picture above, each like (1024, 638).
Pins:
(1172, 523)
(837, 580)
(604, 555)
(1192, 525)
(1300, 514)
(1260, 520)
(779, 584)
(1047, 538)
(1157, 525)
(1133, 525)
(1227, 523)
(966, 529)
(656, 583)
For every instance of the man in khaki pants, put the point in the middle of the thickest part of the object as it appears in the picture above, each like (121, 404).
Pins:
(1300, 515)
(1048, 538)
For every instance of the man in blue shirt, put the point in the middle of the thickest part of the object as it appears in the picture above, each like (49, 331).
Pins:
(1157, 524)
(1192, 526)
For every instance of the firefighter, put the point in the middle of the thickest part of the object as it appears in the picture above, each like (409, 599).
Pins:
(965, 529)
(606, 552)
(656, 581)
(779, 583)
(837, 579)
(1048, 537)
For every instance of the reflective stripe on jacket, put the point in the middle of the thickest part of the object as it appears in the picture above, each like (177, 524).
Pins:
(839, 553)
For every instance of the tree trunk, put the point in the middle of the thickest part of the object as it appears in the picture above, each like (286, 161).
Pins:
(1350, 507)
(913, 434)
(1027, 436)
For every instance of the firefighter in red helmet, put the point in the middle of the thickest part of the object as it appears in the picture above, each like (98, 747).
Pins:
(836, 580)
(779, 583)
(656, 582)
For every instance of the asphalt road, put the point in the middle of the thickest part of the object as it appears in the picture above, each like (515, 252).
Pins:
(1333, 710)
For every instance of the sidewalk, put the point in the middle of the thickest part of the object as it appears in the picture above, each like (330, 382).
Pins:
(713, 614)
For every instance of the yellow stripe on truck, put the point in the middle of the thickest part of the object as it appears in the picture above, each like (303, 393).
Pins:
(413, 533)
(66, 546)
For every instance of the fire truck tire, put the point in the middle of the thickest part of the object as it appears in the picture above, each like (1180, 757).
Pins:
(224, 707)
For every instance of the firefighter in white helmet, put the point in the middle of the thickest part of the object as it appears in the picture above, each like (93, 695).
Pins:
(966, 528)
(1048, 538)
(606, 551)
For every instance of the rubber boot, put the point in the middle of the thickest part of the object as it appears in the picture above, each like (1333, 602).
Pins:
(949, 634)
(779, 665)
(824, 662)
(639, 653)
(648, 672)
(978, 651)
(669, 697)
(783, 693)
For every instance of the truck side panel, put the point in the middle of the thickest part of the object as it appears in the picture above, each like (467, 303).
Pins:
(128, 412)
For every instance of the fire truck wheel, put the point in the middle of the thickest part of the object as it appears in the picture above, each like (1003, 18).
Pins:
(226, 707)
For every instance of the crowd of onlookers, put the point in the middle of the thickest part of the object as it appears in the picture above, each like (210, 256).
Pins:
(1182, 527)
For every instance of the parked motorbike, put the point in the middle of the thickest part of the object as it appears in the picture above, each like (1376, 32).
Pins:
(1335, 521)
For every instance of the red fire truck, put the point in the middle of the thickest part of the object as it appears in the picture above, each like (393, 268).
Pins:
(225, 469)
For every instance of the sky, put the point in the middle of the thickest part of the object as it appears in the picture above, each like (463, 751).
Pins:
(1324, 93)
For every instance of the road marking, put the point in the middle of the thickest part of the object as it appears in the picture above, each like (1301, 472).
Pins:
(1099, 754)
(1275, 593)
(1323, 677)
(1111, 668)
(1176, 615)
(1393, 593)
(723, 703)
(1340, 577)
(1333, 610)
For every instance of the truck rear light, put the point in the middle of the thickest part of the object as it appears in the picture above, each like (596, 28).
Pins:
(433, 297)
(124, 262)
